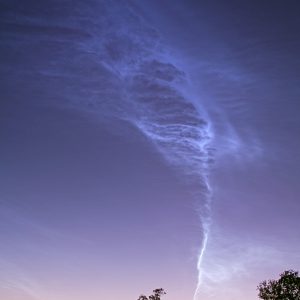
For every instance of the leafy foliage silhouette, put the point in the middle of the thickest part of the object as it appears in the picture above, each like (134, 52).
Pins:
(287, 287)
(157, 293)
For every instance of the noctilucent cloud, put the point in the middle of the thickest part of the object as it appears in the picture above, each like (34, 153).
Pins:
(148, 144)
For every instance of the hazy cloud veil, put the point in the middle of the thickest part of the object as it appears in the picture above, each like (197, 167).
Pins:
(211, 86)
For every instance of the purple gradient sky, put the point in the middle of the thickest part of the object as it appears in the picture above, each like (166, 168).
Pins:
(131, 131)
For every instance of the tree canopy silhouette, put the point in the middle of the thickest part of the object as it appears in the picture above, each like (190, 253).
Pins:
(287, 287)
(157, 293)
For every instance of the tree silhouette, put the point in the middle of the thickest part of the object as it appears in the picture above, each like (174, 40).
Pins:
(287, 287)
(157, 293)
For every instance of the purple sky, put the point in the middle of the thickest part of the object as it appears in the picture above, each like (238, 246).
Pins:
(148, 144)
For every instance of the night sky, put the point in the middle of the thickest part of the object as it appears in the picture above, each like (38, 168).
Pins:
(147, 144)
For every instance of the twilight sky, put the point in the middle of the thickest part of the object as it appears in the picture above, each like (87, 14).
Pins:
(146, 144)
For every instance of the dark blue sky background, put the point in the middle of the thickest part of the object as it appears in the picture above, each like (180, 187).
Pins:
(148, 144)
